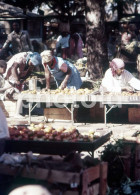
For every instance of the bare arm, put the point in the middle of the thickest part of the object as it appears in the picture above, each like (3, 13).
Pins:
(14, 71)
(67, 71)
(7, 42)
(47, 77)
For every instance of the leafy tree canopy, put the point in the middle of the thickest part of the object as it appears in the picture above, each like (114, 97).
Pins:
(61, 7)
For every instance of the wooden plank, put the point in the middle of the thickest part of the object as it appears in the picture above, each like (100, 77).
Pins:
(103, 178)
(58, 192)
(41, 174)
(59, 113)
(134, 115)
(92, 173)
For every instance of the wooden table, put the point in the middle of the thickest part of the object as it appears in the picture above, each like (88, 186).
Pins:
(55, 147)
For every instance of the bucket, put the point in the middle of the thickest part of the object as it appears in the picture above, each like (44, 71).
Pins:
(32, 84)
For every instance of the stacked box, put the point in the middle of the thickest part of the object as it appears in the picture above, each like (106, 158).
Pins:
(92, 180)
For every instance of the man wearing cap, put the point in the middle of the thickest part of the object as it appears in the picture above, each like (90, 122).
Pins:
(118, 79)
(64, 73)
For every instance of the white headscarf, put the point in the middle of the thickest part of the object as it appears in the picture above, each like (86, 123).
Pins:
(46, 56)
(116, 64)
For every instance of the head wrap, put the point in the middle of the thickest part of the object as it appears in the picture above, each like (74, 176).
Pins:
(116, 64)
(29, 190)
(35, 58)
(46, 56)
(3, 64)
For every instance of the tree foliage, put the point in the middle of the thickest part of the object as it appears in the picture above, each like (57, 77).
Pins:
(61, 7)
(24, 4)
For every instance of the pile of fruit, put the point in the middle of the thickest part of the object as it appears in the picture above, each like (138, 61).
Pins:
(124, 93)
(41, 132)
(60, 91)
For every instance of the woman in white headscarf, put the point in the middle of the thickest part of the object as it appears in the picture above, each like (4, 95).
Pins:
(118, 79)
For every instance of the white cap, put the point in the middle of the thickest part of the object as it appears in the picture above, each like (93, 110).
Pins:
(30, 190)
(46, 56)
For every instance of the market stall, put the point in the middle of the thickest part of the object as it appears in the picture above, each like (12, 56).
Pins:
(88, 98)
(55, 147)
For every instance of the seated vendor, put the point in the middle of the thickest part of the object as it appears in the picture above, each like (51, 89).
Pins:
(118, 79)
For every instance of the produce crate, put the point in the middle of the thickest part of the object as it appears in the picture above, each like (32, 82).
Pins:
(134, 115)
(92, 180)
(131, 158)
(59, 113)
(137, 162)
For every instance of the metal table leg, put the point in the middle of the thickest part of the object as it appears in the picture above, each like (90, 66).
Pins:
(29, 112)
(72, 110)
(107, 111)
(105, 115)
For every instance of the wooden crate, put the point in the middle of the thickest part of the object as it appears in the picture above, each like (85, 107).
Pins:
(59, 113)
(84, 182)
(97, 113)
(134, 115)
(8, 107)
(131, 159)
(137, 162)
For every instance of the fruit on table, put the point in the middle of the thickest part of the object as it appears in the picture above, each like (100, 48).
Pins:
(66, 91)
(48, 133)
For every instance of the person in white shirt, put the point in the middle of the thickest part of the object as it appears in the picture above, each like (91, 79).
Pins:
(62, 45)
(4, 132)
(118, 79)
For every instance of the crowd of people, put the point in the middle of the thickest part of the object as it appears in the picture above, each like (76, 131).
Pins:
(24, 59)
(26, 56)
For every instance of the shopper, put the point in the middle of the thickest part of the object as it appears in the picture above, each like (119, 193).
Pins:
(18, 40)
(62, 45)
